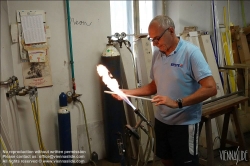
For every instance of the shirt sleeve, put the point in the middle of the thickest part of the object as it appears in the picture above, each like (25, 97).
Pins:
(199, 66)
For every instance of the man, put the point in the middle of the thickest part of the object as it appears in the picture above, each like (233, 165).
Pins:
(181, 80)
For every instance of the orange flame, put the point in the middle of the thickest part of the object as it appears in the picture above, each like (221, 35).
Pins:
(112, 83)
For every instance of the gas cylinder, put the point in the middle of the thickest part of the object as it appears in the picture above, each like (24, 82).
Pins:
(64, 125)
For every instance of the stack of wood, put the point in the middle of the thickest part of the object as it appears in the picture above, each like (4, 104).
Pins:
(241, 51)
(202, 40)
(240, 42)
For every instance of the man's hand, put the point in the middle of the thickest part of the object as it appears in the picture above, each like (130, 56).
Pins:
(117, 97)
(164, 100)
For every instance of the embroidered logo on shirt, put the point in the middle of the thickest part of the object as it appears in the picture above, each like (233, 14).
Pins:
(176, 65)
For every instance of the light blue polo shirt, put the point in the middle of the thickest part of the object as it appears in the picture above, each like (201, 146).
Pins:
(177, 76)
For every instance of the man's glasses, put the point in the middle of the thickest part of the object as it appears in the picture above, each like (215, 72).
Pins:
(158, 38)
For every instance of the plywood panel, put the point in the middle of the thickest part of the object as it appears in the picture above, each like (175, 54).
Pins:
(207, 50)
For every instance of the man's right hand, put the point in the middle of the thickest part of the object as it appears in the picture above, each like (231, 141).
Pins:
(117, 97)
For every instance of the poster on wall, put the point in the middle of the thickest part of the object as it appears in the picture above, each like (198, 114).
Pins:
(37, 74)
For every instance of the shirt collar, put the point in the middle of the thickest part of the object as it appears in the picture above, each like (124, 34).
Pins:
(176, 49)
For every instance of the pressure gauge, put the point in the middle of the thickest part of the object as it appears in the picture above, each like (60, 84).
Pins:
(69, 94)
(123, 35)
(117, 35)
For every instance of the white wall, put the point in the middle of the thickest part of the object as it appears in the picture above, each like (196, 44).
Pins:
(8, 113)
(198, 13)
(88, 44)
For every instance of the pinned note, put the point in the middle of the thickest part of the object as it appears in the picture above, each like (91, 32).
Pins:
(33, 29)
(37, 55)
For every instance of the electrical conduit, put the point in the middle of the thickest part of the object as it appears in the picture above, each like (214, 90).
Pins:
(70, 45)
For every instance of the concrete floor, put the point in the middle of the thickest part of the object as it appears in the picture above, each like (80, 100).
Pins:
(202, 154)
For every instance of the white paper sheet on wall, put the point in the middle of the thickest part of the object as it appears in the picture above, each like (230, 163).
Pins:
(38, 55)
(33, 29)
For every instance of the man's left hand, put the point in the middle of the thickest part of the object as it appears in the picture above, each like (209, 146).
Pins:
(164, 100)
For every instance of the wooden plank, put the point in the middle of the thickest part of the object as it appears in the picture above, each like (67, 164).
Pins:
(245, 68)
(209, 140)
(243, 48)
(224, 131)
(222, 105)
(207, 50)
(244, 53)
(236, 57)
(218, 100)
(239, 132)
(247, 30)
(193, 38)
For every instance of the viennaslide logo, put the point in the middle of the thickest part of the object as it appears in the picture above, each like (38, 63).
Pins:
(233, 155)
(176, 65)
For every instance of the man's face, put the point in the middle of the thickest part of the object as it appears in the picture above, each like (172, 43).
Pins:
(161, 37)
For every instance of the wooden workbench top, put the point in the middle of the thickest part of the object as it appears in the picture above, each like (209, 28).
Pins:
(215, 108)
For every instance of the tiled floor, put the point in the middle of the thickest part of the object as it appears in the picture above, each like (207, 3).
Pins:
(202, 153)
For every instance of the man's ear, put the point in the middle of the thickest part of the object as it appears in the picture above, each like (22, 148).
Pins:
(171, 30)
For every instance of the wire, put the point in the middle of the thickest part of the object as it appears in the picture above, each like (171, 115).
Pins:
(4, 147)
(36, 115)
(38, 131)
(86, 126)
(14, 103)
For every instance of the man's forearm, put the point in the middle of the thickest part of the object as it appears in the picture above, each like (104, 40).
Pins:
(149, 89)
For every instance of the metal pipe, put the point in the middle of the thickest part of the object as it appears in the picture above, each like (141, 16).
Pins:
(138, 112)
(70, 47)
(6, 82)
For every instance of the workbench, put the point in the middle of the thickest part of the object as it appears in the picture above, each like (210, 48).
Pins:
(236, 67)
(226, 105)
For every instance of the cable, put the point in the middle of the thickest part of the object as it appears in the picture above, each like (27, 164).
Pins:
(36, 114)
(14, 103)
(4, 147)
(38, 131)
(86, 126)
(14, 120)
